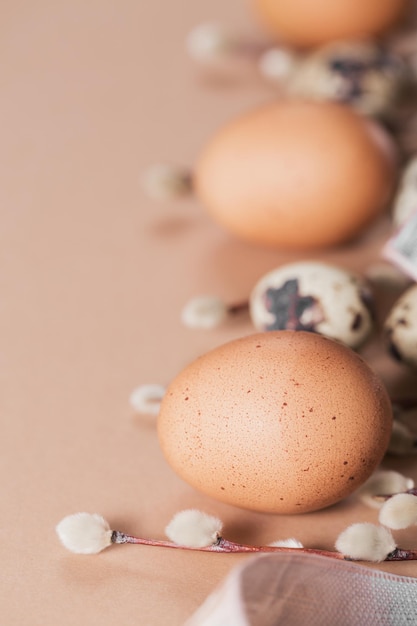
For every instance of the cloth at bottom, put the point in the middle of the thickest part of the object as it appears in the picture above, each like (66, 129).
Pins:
(298, 589)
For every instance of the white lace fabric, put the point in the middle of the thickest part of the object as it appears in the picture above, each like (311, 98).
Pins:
(299, 589)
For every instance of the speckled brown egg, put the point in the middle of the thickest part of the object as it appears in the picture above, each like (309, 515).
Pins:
(280, 422)
(297, 174)
(308, 23)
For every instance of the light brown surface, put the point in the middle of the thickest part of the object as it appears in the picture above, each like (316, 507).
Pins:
(93, 277)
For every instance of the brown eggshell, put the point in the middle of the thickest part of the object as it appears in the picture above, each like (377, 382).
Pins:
(280, 422)
(309, 23)
(297, 174)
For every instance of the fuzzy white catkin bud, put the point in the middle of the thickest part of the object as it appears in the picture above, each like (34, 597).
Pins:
(146, 399)
(276, 64)
(399, 512)
(204, 312)
(383, 482)
(208, 42)
(286, 543)
(194, 529)
(365, 542)
(164, 182)
(84, 533)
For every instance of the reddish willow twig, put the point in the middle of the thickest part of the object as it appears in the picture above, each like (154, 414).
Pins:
(226, 546)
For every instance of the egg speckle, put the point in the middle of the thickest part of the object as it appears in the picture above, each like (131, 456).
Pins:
(297, 174)
(281, 422)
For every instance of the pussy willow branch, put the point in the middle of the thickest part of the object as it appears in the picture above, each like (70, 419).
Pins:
(225, 546)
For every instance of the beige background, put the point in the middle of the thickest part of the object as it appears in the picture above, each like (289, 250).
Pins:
(93, 277)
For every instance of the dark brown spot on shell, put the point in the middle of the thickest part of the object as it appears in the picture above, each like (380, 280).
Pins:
(357, 322)
(394, 351)
(287, 306)
(402, 322)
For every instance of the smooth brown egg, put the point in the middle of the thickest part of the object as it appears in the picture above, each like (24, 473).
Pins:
(297, 174)
(310, 23)
(280, 422)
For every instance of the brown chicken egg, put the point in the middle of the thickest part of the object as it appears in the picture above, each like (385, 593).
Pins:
(297, 174)
(306, 23)
(280, 422)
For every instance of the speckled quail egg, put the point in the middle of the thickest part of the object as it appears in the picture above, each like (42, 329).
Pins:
(360, 73)
(314, 296)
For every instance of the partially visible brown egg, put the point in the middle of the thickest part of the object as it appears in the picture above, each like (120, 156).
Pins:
(297, 174)
(280, 422)
(309, 23)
